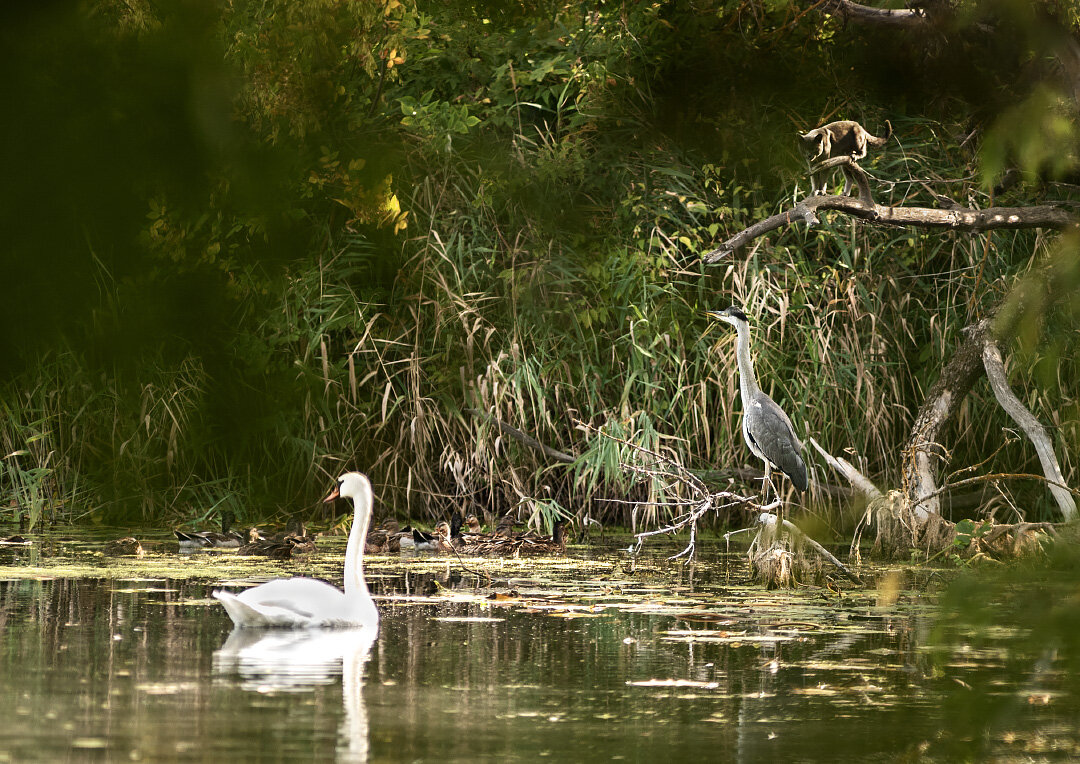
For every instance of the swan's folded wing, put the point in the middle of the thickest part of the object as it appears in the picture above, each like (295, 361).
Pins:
(249, 615)
(286, 602)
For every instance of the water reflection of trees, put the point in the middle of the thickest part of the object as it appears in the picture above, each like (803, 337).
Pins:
(539, 665)
(131, 660)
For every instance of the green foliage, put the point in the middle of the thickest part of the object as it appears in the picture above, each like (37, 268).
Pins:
(967, 531)
(1039, 135)
(297, 238)
(436, 119)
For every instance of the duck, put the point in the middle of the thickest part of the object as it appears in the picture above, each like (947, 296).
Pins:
(504, 527)
(301, 545)
(406, 539)
(283, 548)
(124, 547)
(527, 544)
(472, 522)
(308, 603)
(263, 548)
(294, 527)
(436, 541)
(227, 539)
(533, 544)
(386, 539)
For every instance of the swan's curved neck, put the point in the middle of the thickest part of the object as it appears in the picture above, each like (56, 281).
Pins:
(355, 586)
(747, 381)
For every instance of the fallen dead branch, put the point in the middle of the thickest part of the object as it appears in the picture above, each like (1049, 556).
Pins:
(847, 470)
(772, 562)
(955, 218)
(767, 518)
(901, 528)
(524, 439)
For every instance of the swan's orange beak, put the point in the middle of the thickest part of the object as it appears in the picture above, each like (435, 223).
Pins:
(333, 495)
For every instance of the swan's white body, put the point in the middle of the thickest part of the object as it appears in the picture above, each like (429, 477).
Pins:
(307, 602)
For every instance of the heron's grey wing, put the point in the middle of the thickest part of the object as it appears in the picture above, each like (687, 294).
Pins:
(772, 433)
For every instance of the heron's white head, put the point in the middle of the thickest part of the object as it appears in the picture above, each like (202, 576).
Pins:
(732, 315)
(351, 485)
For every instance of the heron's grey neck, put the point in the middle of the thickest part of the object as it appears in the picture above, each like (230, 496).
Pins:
(747, 381)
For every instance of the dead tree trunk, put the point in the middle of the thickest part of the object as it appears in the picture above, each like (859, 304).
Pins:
(979, 354)
(923, 448)
(999, 381)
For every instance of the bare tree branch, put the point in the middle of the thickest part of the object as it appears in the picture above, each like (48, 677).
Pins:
(704, 501)
(995, 372)
(521, 437)
(901, 18)
(942, 402)
(954, 219)
(932, 15)
(859, 482)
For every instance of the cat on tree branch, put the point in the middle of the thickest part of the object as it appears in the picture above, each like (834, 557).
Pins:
(949, 216)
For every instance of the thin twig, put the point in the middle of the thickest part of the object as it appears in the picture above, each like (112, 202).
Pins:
(1000, 476)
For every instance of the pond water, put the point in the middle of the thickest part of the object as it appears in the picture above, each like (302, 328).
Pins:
(592, 658)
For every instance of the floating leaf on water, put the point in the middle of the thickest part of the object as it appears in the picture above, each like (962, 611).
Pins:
(89, 742)
(147, 590)
(674, 683)
(201, 602)
(469, 619)
(744, 639)
(168, 688)
(820, 691)
(705, 618)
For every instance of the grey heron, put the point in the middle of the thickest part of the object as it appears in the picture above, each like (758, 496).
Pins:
(766, 428)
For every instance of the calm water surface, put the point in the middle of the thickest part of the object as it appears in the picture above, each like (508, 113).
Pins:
(602, 660)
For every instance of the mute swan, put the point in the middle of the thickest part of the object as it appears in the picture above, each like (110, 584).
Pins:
(306, 602)
(291, 660)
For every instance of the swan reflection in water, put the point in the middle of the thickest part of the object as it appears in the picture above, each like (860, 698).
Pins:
(295, 660)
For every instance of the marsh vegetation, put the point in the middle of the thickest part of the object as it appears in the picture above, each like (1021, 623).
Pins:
(468, 248)
(296, 240)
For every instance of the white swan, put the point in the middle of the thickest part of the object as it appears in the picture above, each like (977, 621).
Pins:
(306, 602)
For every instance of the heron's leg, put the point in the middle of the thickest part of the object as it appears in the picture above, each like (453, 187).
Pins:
(765, 486)
(779, 512)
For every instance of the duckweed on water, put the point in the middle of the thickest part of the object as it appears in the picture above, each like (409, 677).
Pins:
(585, 657)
